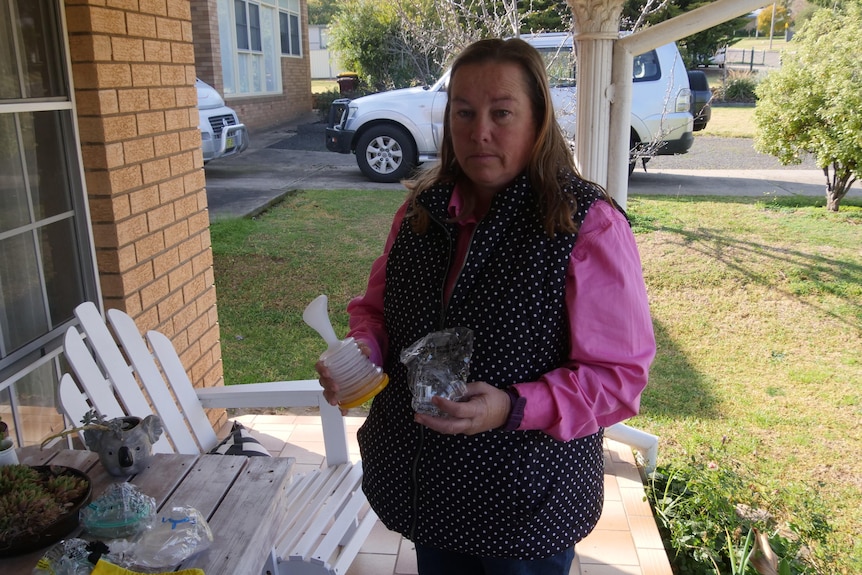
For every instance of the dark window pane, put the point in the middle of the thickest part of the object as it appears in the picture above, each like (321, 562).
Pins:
(241, 25)
(22, 306)
(14, 210)
(254, 26)
(47, 165)
(284, 32)
(10, 87)
(294, 35)
(61, 266)
(42, 67)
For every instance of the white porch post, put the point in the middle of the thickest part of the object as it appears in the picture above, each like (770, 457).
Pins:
(596, 28)
(602, 141)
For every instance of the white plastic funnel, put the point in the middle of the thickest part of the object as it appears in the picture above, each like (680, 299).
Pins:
(316, 316)
(358, 378)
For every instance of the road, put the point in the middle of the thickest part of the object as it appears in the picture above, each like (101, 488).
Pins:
(295, 158)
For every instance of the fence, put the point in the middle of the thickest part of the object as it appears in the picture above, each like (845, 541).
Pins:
(751, 58)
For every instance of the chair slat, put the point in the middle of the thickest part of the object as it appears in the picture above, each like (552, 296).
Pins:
(92, 379)
(112, 361)
(183, 389)
(151, 379)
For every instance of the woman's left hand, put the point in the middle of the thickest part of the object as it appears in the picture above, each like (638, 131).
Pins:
(483, 407)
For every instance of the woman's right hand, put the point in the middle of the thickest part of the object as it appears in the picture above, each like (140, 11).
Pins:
(329, 385)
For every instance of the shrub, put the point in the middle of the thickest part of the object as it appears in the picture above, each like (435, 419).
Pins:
(323, 100)
(709, 512)
(738, 86)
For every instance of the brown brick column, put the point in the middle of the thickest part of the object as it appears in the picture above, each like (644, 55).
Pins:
(133, 69)
(207, 49)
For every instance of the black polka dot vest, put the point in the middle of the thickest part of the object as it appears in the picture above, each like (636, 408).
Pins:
(517, 494)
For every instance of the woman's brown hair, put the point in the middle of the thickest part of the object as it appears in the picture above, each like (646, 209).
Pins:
(551, 157)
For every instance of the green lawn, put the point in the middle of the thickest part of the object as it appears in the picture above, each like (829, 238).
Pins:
(757, 306)
(730, 122)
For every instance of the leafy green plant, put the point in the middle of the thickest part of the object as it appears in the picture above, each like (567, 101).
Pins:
(710, 511)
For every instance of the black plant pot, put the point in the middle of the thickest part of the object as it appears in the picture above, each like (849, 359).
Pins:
(62, 526)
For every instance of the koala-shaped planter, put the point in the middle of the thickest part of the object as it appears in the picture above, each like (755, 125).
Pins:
(126, 445)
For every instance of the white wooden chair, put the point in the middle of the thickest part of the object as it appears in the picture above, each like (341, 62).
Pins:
(328, 516)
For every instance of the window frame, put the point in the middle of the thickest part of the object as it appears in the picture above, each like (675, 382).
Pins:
(254, 36)
(41, 360)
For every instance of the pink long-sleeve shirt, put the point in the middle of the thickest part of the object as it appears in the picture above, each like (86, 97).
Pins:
(612, 339)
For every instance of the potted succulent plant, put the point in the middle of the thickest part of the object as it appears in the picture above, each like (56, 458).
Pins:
(39, 505)
(7, 448)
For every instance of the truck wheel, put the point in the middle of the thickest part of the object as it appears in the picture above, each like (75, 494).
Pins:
(385, 153)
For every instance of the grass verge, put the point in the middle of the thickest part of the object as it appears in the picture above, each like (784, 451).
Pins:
(757, 307)
(730, 122)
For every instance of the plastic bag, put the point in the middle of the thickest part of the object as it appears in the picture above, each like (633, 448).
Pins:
(122, 511)
(174, 537)
(70, 557)
(437, 366)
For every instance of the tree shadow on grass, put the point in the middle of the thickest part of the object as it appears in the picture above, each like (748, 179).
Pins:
(676, 390)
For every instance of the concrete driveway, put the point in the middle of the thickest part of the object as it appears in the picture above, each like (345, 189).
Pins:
(295, 158)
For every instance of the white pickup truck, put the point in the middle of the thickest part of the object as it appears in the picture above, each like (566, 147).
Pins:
(392, 132)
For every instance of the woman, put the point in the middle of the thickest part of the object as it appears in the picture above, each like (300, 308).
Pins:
(504, 238)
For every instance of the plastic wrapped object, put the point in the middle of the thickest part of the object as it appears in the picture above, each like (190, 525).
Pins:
(122, 511)
(175, 536)
(358, 378)
(70, 557)
(437, 366)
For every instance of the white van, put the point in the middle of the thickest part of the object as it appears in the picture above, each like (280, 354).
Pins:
(222, 134)
(392, 132)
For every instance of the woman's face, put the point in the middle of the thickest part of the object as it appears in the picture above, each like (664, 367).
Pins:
(492, 125)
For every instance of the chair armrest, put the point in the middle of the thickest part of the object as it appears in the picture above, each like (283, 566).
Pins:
(300, 393)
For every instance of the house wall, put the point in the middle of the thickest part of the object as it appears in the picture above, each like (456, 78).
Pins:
(133, 68)
(258, 113)
(262, 112)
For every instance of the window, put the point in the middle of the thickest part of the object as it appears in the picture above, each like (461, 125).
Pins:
(254, 34)
(561, 65)
(291, 35)
(46, 265)
(646, 67)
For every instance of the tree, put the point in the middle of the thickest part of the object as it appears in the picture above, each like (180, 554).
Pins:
(813, 103)
(397, 43)
(765, 23)
(546, 16)
(322, 11)
(363, 34)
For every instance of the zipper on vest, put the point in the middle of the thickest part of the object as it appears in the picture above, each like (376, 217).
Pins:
(445, 301)
(414, 477)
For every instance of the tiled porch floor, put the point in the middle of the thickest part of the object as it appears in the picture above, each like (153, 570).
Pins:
(625, 542)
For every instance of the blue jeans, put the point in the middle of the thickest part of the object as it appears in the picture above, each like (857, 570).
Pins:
(436, 562)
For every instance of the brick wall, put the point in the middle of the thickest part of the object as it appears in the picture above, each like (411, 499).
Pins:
(206, 35)
(133, 68)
